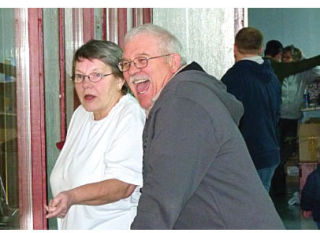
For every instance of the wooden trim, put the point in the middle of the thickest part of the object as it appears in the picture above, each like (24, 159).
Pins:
(62, 76)
(88, 24)
(122, 25)
(239, 19)
(104, 24)
(137, 17)
(78, 40)
(23, 136)
(147, 15)
(37, 114)
(113, 25)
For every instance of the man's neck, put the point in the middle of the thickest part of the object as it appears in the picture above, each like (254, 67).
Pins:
(256, 58)
(242, 56)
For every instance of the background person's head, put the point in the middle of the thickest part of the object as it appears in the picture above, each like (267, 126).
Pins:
(248, 42)
(274, 50)
(98, 81)
(150, 59)
(291, 54)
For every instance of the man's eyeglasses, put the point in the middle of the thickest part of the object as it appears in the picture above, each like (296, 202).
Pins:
(93, 77)
(139, 62)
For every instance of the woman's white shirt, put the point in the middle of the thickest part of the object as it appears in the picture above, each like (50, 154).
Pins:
(110, 148)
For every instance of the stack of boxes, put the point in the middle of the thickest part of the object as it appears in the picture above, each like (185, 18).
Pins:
(309, 148)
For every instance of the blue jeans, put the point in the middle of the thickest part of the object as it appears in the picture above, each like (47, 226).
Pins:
(266, 175)
(318, 224)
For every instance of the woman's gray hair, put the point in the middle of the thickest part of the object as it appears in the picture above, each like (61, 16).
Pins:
(105, 51)
(168, 42)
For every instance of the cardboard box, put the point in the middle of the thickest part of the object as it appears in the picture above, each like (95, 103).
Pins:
(304, 170)
(309, 142)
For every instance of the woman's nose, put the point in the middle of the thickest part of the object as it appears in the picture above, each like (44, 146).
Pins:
(86, 81)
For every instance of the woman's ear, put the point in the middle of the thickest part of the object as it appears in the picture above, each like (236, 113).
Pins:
(120, 83)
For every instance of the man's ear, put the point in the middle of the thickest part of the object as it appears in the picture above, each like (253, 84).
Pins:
(260, 51)
(235, 49)
(175, 62)
(235, 53)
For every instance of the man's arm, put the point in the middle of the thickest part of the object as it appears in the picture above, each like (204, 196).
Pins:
(283, 70)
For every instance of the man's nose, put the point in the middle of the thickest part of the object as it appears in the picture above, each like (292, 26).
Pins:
(133, 69)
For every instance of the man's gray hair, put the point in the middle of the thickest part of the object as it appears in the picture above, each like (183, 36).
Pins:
(168, 42)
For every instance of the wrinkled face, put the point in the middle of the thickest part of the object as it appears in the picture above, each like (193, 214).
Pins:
(146, 82)
(287, 57)
(97, 97)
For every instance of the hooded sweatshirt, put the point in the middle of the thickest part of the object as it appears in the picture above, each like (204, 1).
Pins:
(197, 171)
(259, 90)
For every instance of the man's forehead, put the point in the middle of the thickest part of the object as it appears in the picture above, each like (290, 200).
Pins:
(140, 46)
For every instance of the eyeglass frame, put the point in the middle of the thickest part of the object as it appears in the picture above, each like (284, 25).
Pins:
(89, 77)
(141, 56)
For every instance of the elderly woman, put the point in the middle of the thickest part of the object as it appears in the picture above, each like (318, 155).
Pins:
(97, 177)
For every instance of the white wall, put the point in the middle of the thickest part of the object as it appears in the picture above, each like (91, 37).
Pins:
(206, 34)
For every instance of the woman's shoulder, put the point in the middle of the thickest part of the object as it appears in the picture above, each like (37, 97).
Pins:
(129, 106)
(80, 112)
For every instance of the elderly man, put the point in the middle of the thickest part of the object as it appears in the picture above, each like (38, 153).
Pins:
(197, 173)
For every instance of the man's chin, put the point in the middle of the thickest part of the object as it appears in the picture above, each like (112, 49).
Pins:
(144, 103)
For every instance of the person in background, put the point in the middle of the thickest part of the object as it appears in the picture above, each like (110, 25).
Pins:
(197, 171)
(97, 176)
(273, 53)
(273, 50)
(252, 81)
(292, 92)
(310, 196)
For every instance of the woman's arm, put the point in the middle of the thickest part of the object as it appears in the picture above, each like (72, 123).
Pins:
(98, 193)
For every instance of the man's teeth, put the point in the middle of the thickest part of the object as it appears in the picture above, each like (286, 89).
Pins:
(139, 81)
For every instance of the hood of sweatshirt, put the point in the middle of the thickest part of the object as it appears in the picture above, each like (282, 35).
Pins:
(259, 71)
(194, 79)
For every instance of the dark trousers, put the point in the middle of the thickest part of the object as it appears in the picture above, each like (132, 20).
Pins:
(288, 145)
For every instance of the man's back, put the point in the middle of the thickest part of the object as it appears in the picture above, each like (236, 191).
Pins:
(257, 87)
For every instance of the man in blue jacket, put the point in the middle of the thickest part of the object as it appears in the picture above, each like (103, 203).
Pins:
(252, 81)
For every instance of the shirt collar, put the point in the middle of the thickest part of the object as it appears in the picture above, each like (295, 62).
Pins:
(257, 59)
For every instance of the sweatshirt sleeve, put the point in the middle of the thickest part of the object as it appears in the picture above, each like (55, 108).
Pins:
(283, 70)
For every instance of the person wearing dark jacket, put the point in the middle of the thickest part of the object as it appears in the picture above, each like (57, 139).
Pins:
(197, 171)
(252, 81)
(273, 53)
(310, 196)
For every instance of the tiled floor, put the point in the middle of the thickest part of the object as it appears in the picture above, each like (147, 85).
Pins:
(291, 214)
